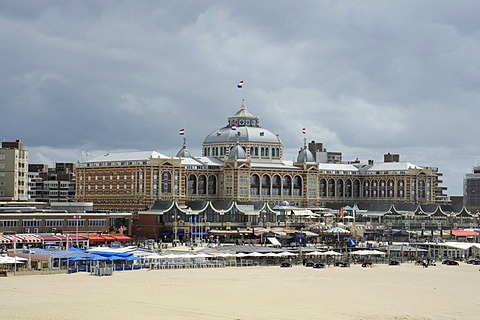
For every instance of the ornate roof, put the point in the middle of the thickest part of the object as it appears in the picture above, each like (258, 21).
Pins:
(246, 126)
(237, 153)
(184, 153)
(305, 155)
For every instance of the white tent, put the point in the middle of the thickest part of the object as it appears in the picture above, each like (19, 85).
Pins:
(12, 260)
(287, 254)
(331, 253)
(314, 253)
(255, 254)
(368, 253)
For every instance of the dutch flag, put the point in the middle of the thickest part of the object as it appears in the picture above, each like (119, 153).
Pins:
(234, 127)
(240, 85)
(304, 130)
(181, 131)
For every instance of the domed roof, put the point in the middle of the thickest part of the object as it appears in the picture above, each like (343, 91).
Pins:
(237, 153)
(247, 134)
(244, 125)
(305, 155)
(184, 153)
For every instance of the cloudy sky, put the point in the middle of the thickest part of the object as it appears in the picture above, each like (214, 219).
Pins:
(364, 77)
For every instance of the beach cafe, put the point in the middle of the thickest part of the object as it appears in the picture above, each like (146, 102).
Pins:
(78, 260)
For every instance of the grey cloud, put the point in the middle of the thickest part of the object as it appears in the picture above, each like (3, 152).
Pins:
(365, 77)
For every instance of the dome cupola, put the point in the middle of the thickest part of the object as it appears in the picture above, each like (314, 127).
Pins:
(184, 153)
(257, 142)
(305, 155)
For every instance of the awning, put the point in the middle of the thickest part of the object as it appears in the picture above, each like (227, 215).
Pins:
(72, 237)
(123, 238)
(29, 238)
(13, 239)
(108, 238)
(96, 239)
(4, 240)
(50, 238)
(274, 241)
(463, 233)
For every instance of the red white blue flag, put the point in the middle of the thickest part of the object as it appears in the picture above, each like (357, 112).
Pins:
(304, 130)
(181, 131)
(234, 127)
(240, 85)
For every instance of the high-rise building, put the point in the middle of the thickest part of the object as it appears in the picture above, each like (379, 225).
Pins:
(13, 172)
(51, 184)
(471, 190)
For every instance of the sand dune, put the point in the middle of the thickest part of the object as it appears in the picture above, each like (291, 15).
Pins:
(382, 292)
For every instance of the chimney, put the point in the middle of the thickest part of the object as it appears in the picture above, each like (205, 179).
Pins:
(388, 157)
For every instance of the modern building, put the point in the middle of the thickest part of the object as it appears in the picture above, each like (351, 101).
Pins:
(13, 172)
(51, 184)
(242, 170)
(471, 190)
(61, 218)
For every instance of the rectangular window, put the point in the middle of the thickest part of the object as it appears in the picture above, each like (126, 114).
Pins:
(75, 222)
(97, 222)
(31, 223)
(53, 223)
(8, 223)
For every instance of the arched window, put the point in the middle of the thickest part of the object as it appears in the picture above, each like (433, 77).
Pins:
(331, 188)
(192, 185)
(266, 185)
(323, 188)
(348, 188)
(297, 186)
(340, 188)
(276, 185)
(421, 189)
(254, 185)
(287, 186)
(212, 185)
(356, 188)
(202, 185)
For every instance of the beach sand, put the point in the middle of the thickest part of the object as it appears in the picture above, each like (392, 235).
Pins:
(381, 292)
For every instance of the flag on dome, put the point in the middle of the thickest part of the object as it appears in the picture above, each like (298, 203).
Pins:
(304, 130)
(181, 131)
(240, 85)
(234, 127)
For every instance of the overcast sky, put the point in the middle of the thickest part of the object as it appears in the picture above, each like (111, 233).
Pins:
(364, 77)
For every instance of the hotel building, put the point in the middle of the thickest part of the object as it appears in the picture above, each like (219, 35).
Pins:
(241, 176)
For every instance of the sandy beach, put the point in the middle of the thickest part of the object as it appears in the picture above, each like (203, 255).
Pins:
(381, 292)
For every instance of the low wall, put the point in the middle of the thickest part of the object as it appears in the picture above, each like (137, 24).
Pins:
(35, 272)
